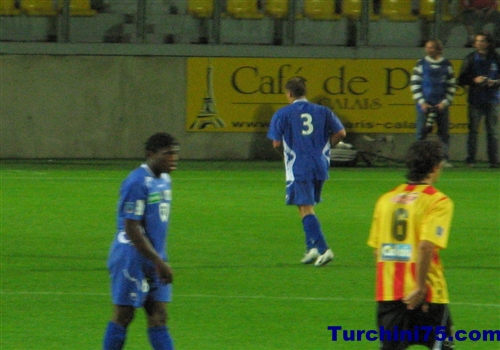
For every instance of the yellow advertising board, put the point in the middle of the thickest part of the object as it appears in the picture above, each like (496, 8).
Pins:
(368, 95)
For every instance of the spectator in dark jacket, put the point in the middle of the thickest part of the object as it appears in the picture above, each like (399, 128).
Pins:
(479, 73)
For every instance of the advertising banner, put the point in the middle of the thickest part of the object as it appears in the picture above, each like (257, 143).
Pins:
(368, 95)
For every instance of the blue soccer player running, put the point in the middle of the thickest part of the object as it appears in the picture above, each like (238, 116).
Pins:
(140, 274)
(306, 131)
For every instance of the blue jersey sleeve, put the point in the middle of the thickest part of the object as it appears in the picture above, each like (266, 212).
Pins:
(134, 199)
(276, 128)
(334, 123)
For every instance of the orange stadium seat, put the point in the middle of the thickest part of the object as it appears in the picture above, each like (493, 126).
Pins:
(8, 8)
(38, 7)
(200, 8)
(277, 8)
(243, 9)
(320, 9)
(398, 10)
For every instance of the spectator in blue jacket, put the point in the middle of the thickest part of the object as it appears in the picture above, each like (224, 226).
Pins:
(433, 87)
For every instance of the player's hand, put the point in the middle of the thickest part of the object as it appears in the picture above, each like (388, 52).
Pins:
(415, 299)
(480, 80)
(425, 106)
(441, 106)
(165, 273)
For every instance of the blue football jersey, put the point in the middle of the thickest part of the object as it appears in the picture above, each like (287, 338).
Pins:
(305, 128)
(146, 198)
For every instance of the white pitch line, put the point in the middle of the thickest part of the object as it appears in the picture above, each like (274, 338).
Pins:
(262, 297)
(313, 299)
(332, 179)
(62, 178)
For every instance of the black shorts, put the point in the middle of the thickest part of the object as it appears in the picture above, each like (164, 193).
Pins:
(413, 326)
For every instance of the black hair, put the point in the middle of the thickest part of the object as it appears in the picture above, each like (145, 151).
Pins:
(160, 140)
(421, 158)
(296, 86)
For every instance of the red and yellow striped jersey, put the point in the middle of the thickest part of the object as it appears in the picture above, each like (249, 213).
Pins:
(403, 217)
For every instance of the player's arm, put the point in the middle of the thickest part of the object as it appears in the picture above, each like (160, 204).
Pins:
(135, 231)
(278, 146)
(275, 132)
(435, 233)
(466, 75)
(416, 86)
(417, 296)
(337, 137)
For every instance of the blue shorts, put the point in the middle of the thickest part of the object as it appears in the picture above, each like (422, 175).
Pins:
(303, 192)
(134, 279)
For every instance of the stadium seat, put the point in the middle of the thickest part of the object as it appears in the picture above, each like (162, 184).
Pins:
(243, 9)
(8, 8)
(427, 10)
(81, 8)
(320, 9)
(352, 9)
(398, 10)
(38, 7)
(46, 8)
(277, 8)
(200, 8)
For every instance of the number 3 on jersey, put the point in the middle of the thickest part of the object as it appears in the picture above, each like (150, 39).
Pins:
(307, 123)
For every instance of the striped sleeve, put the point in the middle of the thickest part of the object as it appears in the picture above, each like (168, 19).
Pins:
(451, 85)
(416, 83)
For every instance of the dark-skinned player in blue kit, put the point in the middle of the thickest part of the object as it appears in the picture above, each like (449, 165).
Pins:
(140, 274)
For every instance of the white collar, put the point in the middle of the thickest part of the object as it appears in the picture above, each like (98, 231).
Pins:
(432, 60)
(148, 169)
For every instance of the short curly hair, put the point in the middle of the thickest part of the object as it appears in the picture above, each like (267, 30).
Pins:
(421, 158)
(160, 140)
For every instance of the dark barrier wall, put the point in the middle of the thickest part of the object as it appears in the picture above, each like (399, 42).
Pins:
(104, 106)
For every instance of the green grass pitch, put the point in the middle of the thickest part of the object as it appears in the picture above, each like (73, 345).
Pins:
(235, 250)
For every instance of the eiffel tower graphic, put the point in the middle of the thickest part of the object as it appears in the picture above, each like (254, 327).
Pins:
(208, 113)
